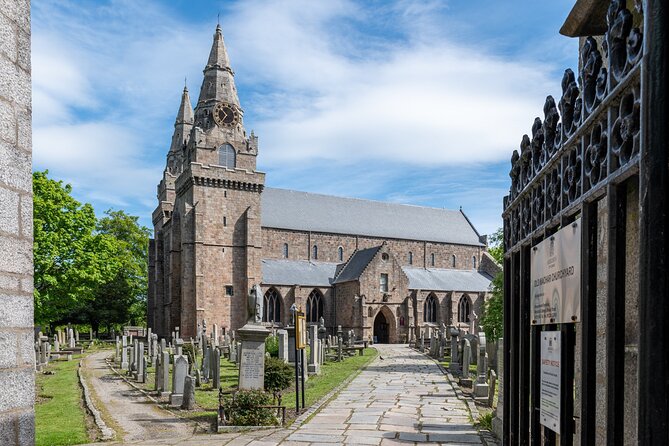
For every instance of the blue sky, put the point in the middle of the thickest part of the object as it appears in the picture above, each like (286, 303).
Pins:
(410, 101)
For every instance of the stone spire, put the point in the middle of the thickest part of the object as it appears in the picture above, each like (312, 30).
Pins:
(185, 113)
(218, 84)
(182, 127)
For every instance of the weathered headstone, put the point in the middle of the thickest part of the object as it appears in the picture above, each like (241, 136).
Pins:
(481, 387)
(497, 421)
(282, 336)
(76, 335)
(216, 368)
(179, 346)
(421, 346)
(466, 362)
(252, 356)
(141, 366)
(124, 353)
(314, 364)
(454, 367)
(72, 342)
(206, 367)
(179, 373)
(491, 390)
(188, 402)
(233, 351)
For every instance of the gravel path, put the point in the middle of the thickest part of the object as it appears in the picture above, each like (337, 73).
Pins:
(138, 417)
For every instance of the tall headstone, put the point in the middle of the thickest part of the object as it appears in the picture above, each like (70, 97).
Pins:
(72, 341)
(124, 354)
(188, 401)
(481, 387)
(454, 367)
(178, 376)
(253, 335)
(141, 365)
(314, 364)
(158, 383)
(206, 366)
(148, 342)
(282, 336)
(118, 350)
(76, 336)
(466, 359)
(491, 391)
(216, 368)
(497, 421)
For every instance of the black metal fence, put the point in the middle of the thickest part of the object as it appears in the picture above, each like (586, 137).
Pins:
(605, 137)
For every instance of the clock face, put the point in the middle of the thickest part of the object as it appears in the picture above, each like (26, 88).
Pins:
(225, 115)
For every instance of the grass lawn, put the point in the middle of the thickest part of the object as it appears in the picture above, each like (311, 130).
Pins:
(60, 418)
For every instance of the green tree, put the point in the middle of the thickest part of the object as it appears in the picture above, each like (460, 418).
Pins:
(121, 297)
(492, 319)
(63, 233)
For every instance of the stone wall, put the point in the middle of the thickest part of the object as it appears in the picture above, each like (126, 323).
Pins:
(17, 358)
(300, 247)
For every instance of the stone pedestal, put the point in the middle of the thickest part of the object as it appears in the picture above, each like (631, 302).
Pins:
(252, 356)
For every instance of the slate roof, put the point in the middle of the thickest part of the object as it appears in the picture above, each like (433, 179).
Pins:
(356, 264)
(436, 279)
(303, 211)
(297, 272)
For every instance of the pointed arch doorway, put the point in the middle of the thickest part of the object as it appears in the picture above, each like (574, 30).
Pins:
(381, 329)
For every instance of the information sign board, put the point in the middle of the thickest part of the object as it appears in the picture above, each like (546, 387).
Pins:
(555, 276)
(549, 401)
(300, 331)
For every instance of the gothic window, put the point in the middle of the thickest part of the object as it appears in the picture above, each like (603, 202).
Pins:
(369, 312)
(474, 262)
(463, 309)
(453, 261)
(432, 259)
(430, 309)
(314, 306)
(410, 258)
(384, 283)
(272, 307)
(227, 156)
(285, 250)
(340, 254)
(314, 252)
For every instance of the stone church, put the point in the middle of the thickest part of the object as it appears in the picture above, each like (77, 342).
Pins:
(385, 270)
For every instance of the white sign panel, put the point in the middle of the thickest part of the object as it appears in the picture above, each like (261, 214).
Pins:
(556, 277)
(549, 402)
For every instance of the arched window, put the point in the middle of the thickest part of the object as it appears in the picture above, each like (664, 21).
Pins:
(314, 306)
(314, 252)
(463, 309)
(272, 307)
(369, 312)
(340, 254)
(432, 259)
(430, 309)
(474, 262)
(410, 258)
(285, 250)
(453, 261)
(227, 156)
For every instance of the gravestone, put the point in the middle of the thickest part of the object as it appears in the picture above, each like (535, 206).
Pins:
(124, 353)
(198, 379)
(56, 344)
(188, 402)
(43, 350)
(206, 367)
(233, 351)
(454, 367)
(148, 342)
(158, 382)
(179, 346)
(481, 388)
(118, 350)
(253, 335)
(72, 342)
(421, 346)
(216, 368)
(322, 333)
(282, 336)
(466, 362)
(140, 363)
(497, 422)
(179, 373)
(314, 364)
(164, 379)
(491, 391)
(76, 336)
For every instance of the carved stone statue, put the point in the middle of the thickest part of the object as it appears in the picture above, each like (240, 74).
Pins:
(255, 305)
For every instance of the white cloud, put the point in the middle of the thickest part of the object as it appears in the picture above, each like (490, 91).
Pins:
(416, 101)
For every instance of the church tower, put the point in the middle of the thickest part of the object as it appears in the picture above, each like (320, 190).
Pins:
(207, 248)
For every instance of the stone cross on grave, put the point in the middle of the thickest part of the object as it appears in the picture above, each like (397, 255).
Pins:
(481, 387)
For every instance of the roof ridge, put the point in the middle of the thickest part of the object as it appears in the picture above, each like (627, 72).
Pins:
(391, 203)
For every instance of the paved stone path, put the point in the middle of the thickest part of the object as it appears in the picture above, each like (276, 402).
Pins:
(400, 399)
